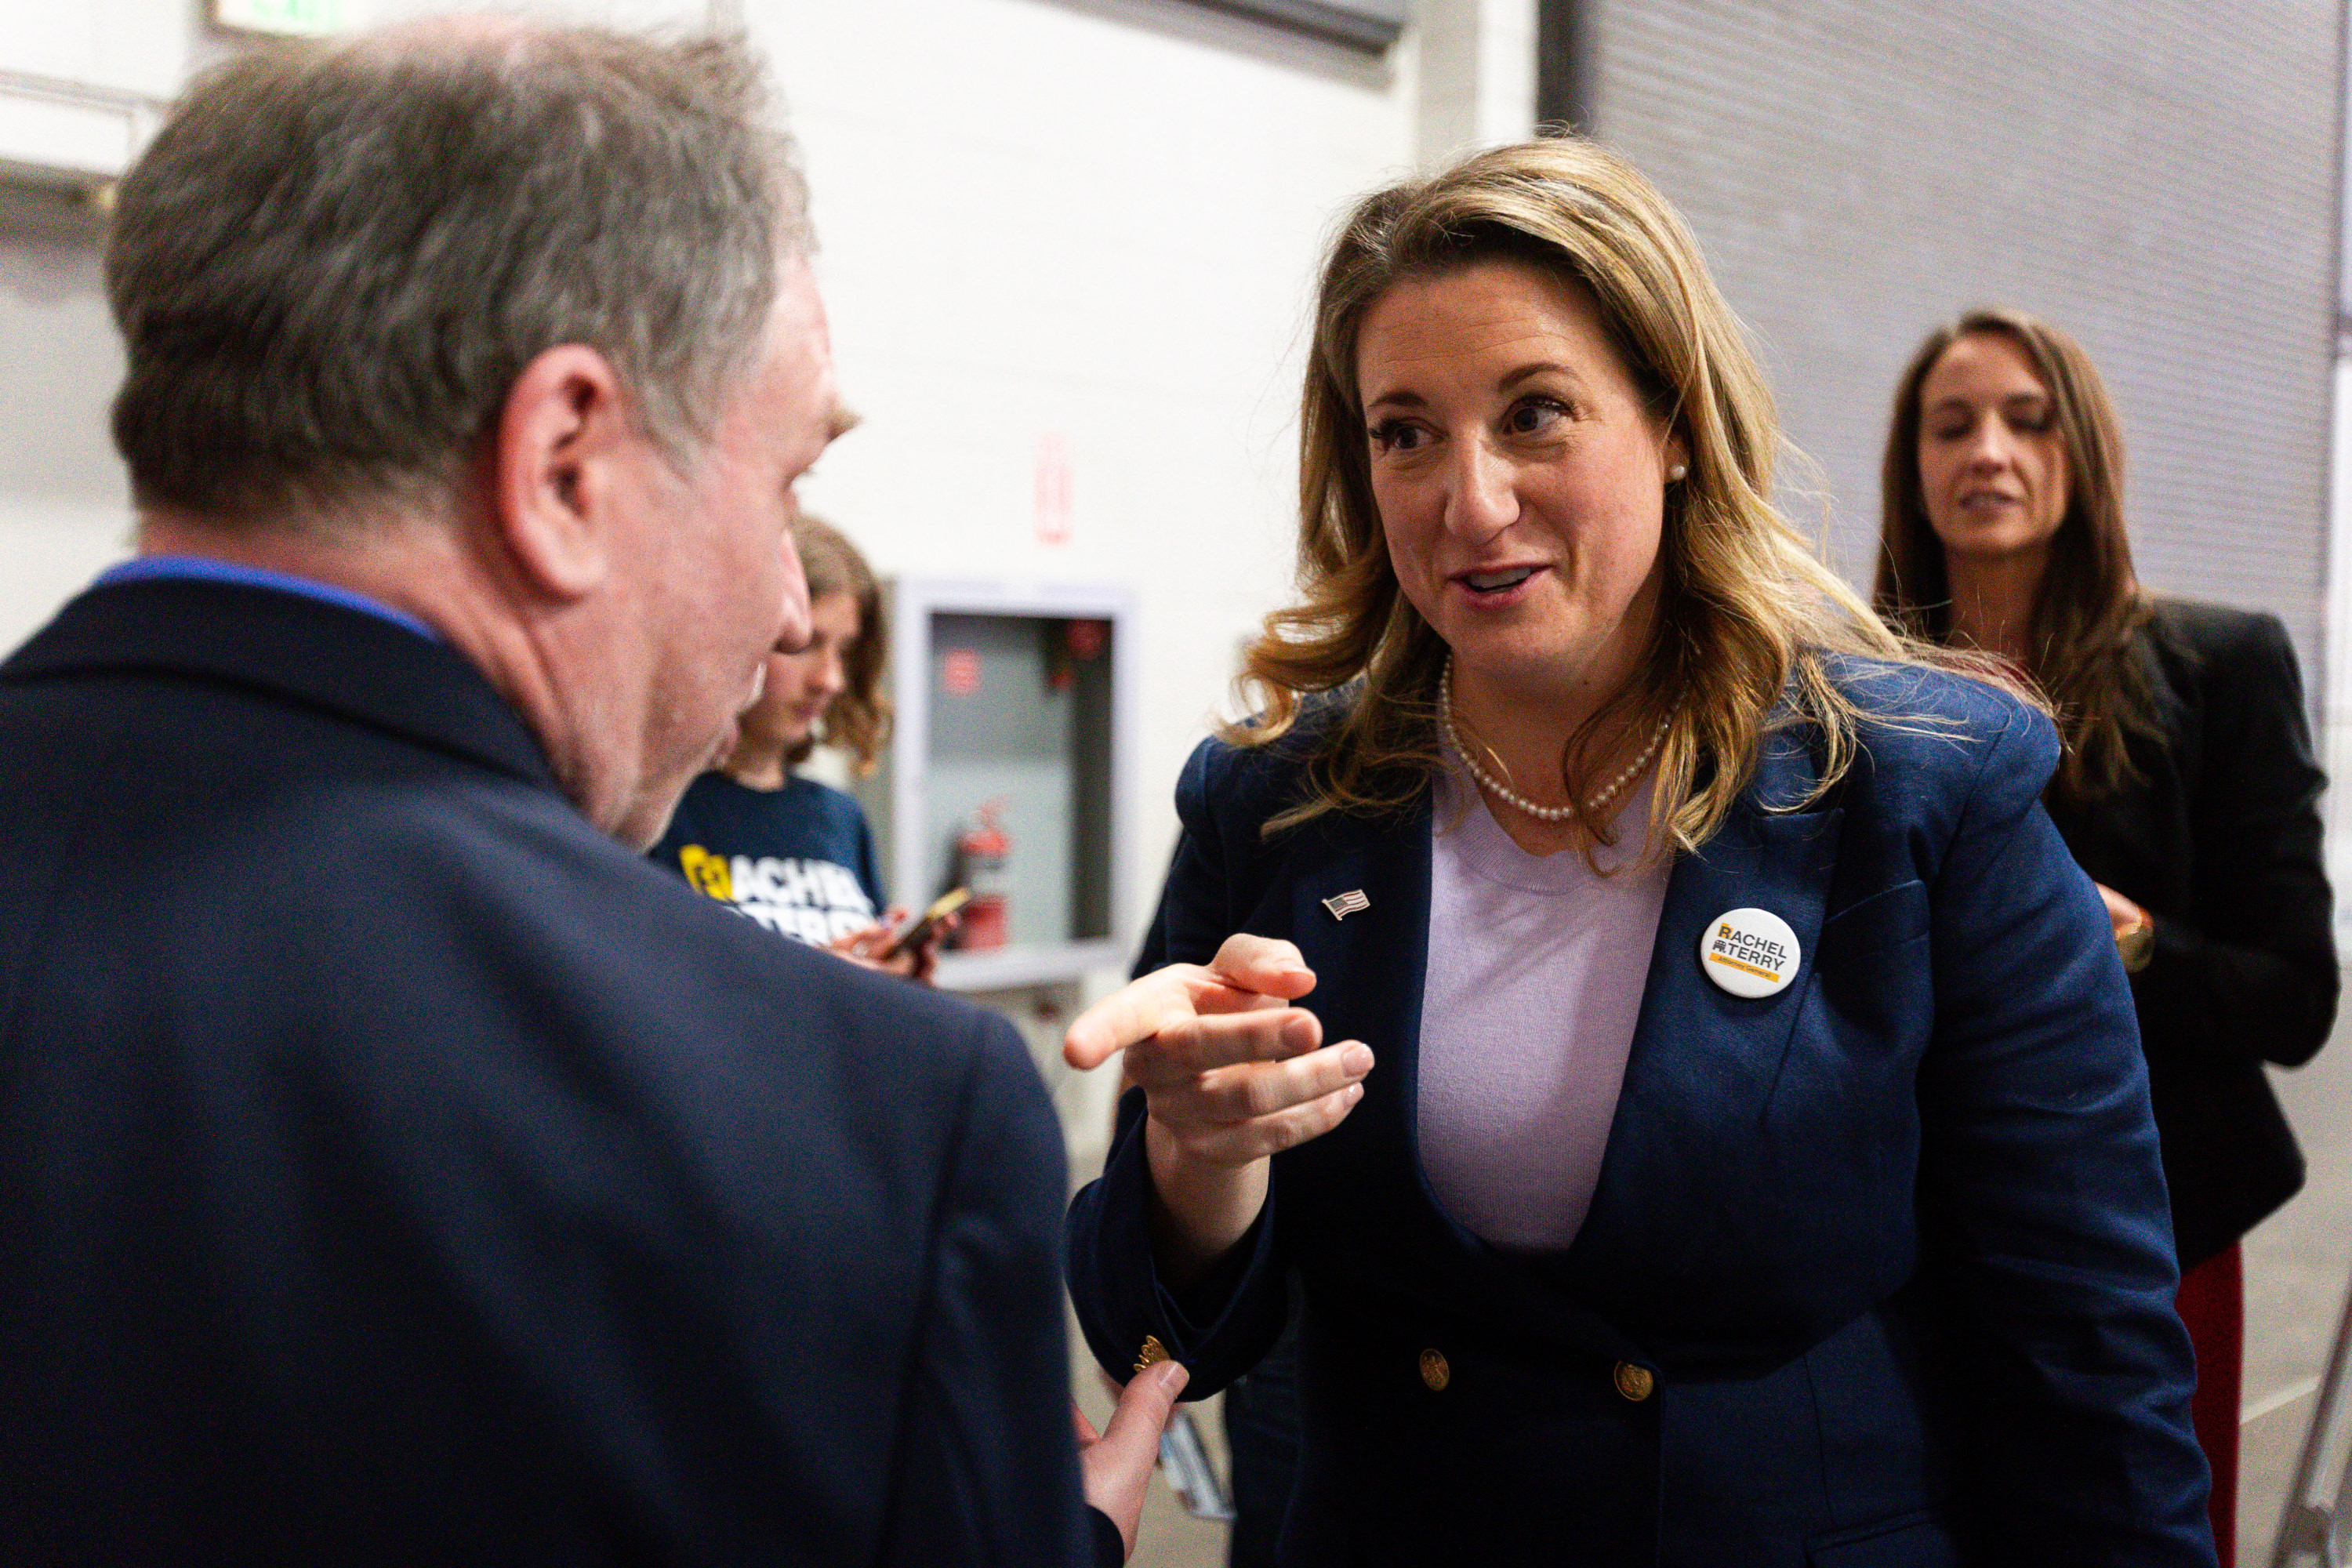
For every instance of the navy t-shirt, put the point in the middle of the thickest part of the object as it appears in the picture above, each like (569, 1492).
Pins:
(799, 859)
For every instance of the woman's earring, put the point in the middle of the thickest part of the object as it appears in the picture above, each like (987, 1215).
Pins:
(1678, 473)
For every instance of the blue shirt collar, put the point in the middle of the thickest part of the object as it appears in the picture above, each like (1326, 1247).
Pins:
(205, 569)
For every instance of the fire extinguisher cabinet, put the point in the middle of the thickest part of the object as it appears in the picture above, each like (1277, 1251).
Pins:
(1005, 773)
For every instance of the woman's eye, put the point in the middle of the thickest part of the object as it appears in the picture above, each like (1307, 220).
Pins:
(1949, 432)
(1533, 416)
(1396, 436)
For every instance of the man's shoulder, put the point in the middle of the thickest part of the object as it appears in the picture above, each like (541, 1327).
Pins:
(649, 974)
(515, 847)
(741, 979)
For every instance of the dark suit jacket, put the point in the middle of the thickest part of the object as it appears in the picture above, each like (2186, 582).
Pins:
(1877, 1272)
(398, 1171)
(2220, 840)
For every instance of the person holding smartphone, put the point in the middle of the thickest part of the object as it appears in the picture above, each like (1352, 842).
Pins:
(783, 849)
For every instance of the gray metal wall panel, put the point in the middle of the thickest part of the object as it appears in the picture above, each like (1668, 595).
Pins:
(2158, 177)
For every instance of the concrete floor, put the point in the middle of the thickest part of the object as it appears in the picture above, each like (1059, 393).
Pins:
(2298, 1269)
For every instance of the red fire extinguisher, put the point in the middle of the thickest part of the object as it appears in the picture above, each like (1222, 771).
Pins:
(983, 854)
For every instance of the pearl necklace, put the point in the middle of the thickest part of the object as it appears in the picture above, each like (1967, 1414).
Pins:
(1607, 793)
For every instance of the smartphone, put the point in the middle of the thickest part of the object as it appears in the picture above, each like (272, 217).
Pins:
(1190, 1474)
(922, 925)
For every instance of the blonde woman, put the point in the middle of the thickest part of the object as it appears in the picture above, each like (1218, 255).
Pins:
(1638, 997)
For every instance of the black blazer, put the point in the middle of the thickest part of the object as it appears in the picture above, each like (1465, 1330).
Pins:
(2220, 841)
(1876, 1272)
(399, 1171)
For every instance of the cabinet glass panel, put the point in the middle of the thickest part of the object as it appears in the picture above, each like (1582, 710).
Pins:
(1019, 773)
(1002, 774)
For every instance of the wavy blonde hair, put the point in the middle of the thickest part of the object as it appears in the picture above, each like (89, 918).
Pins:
(1750, 614)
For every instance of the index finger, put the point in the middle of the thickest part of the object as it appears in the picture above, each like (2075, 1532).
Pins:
(1248, 972)
(1136, 1011)
(1142, 1008)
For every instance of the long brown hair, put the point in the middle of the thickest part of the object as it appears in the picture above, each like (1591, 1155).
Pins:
(857, 719)
(2089, 608)
(1749, 612)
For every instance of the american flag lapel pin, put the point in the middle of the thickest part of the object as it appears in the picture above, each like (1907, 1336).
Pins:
(1351, 902)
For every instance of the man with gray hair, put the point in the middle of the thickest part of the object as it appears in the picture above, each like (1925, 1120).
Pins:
(398, 1169)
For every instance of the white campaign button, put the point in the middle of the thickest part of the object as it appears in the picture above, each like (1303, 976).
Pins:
(1749, 953)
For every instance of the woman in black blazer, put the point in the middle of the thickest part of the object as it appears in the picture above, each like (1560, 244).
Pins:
(2189, 792)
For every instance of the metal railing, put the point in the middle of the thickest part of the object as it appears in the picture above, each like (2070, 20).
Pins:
(2317, 1525)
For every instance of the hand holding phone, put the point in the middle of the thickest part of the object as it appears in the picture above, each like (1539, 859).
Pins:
(918, 930)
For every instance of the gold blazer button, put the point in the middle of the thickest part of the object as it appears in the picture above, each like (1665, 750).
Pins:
(1152, 1354)
(1635, 1382)
(1434, 1371)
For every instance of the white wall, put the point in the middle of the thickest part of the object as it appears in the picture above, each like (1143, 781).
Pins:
(63, 509)
(1054, 227)
(1477, 62)
(64, 505)
(2336, 687)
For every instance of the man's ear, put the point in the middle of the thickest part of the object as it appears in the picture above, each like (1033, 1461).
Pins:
(565, 439)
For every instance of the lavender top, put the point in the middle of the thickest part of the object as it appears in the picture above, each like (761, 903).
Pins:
(1537, 967)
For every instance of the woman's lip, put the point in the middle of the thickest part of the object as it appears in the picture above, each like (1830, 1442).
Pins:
(1496, 598)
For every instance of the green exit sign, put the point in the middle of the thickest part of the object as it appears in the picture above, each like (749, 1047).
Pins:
(287, 18)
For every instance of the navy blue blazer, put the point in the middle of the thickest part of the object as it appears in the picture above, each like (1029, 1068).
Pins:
(397, 1170)
(1878, 1270)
